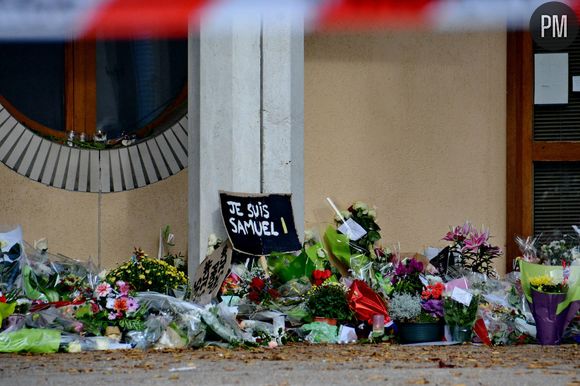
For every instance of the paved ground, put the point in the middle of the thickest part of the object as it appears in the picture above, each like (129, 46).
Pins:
(302, 365)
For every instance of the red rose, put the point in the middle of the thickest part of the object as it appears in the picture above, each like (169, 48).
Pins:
(257, 284)
(327, 274)
(254, 296)
(2, 298)
(274, 293)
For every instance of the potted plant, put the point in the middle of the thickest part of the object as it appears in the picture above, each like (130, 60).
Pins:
(460, 317)
(416, 308)
(414, 322)
(327, 303)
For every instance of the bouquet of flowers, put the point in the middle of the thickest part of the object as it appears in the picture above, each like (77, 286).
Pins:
(143, 273)
(112, 305)
(364, 216)
(353, 243)
(554, 297)
(504, 325)
(406, 278)
(472, 250)
(559, 251)
(260, 290)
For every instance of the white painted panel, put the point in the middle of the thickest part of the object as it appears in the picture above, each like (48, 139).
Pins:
(73, 167)
(50, 163)
(174, 144)
(158, 159)
(40, 159)
(4, 115)
(19, 148)
(137, 168)
(61, 167)
(15, 133)
(116, 170)
(83, 171)
(29, 156)
(167, 154)
(6, 128)
(105, 172)
(126, 167)
(181, 134)
(148, 162)
(95, 171)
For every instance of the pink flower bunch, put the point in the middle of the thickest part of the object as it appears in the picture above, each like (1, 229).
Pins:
(116, 302)
(473, 248)
(459, 233)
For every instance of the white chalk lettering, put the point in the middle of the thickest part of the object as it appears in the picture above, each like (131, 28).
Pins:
(235, 208)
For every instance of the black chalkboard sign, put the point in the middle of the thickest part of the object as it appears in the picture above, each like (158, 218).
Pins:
(259, 224)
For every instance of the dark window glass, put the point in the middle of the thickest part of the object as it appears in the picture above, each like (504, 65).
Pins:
(556, 198)
(137, 81)
(32, 80)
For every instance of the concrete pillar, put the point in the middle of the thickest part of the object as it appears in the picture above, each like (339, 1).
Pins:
(283, 109)
(245, 109)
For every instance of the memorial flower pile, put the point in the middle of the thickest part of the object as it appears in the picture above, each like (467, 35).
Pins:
(347, 278)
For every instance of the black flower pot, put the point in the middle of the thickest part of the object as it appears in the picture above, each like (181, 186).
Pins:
(420, 332)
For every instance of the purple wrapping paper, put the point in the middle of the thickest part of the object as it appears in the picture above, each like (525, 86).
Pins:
(550, 325)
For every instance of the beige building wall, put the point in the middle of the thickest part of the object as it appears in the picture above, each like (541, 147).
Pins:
(70, 219)
(413, 123)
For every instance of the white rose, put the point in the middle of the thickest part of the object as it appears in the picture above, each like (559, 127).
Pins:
(360, 205)
(212, 239)
(308, 235)
(372, 213)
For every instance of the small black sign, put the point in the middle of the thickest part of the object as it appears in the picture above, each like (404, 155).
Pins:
(259, 224)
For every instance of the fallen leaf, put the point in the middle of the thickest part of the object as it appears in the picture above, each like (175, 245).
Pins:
(443, 365)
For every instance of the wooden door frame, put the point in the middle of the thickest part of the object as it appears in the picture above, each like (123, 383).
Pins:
(519, 220)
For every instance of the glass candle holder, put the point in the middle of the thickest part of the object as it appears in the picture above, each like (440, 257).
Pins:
(378, 324)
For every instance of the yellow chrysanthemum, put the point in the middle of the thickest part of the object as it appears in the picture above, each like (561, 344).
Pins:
(539, 281)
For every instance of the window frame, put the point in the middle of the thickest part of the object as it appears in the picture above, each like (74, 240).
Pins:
(522, 150)
(80, 97)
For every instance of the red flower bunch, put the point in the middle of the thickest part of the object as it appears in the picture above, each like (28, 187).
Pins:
(319, 276)
(261, 290)
(2, 298)
(433, 291)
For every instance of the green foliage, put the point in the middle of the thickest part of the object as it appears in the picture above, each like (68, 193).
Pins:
(365, 217)
(409, 285)
(329, 301)
(132, 324)
(457, 314)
